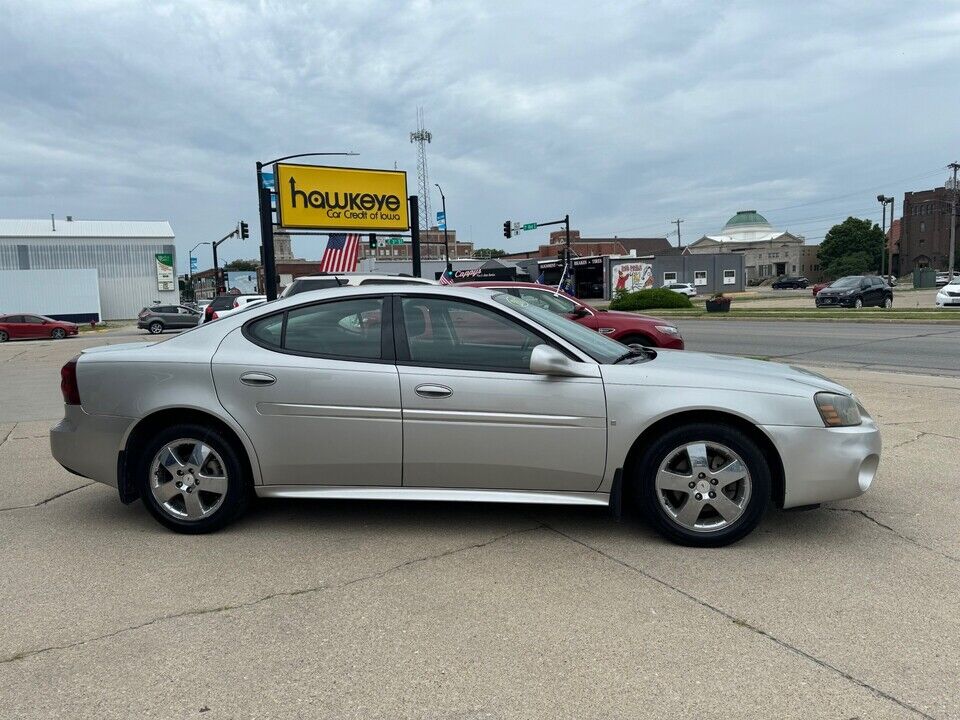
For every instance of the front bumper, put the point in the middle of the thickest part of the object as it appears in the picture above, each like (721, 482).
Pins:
(835, 301)
(88, 445)
(947, 301)
(821, 464)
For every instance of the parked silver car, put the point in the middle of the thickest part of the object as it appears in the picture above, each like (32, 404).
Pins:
(434, 393)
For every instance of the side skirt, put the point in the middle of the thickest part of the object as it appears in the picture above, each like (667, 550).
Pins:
(439, 494)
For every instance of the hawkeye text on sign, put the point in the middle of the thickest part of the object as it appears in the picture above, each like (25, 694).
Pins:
(309, 196)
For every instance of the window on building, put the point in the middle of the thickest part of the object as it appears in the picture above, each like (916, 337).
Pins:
(729, 277)
(669, 277)
(794, 268)
(699, 277)
(923, 226)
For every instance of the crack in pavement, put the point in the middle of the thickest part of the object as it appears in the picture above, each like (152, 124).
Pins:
(752, 628)
(266, 598)
(47, 500)
(920, 435)
(905, 538)
(9, 433)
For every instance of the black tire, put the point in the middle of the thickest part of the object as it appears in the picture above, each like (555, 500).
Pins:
(239, 485)
(3, 336)
(650, 505)
(888, 302)
(155, 328)
(638, 340)
(58, 334)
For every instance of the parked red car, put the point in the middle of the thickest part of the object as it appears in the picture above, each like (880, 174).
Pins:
(20, 327)
(626, 327)
(820, 286)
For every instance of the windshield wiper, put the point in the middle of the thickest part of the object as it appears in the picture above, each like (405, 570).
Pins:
(632, 351)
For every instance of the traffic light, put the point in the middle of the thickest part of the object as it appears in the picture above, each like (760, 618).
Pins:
(244, 230)
(506, 230)
(373, 241)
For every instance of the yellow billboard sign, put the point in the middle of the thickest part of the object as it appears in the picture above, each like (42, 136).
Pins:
(333, 198)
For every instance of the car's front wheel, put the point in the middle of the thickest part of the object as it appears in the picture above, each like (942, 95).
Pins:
(58, 334)
(638, 340)
(191, 479)
(858, 303)
(888, 302)
(156, 327)
(703, 484)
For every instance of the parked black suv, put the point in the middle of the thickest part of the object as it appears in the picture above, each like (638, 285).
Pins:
(789, 281)
(856, 291)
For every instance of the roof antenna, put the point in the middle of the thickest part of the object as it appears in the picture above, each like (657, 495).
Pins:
(53, 222)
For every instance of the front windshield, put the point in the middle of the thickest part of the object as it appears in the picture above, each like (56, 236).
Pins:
(849, 281)
(602, 349)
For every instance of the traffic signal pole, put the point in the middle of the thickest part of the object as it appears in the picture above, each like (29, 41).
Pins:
(415, 233)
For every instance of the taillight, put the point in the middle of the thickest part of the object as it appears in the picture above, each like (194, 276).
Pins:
(144, 313)
(214, 316)
(236, 303)
(208, 310)
(68, 382)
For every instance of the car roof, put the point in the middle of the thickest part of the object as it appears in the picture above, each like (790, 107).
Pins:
(503, 283)
(316, 276)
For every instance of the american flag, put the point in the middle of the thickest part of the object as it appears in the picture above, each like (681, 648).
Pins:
(447, 278)
(341, 253)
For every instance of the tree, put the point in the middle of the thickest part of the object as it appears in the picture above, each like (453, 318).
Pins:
(488, 253)
(852, 247)
(242, 265)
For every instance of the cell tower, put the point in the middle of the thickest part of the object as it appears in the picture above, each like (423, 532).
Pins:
(420, 138)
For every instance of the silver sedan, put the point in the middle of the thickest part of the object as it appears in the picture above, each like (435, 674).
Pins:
(429, 393)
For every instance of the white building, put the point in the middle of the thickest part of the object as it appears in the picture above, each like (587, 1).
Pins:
(130, 259)
(768, 253)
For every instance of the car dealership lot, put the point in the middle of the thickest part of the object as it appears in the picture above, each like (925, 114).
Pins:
(363, 609)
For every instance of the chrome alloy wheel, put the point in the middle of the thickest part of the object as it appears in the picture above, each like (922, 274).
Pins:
(703, 486)
(188, 479)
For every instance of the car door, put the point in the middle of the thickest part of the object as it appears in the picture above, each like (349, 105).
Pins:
(33, 327)
(868, 292)
(14, 326)
(316, 390)
(474, 416)
(185, 317)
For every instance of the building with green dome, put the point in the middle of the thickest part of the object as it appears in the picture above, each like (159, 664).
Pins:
(767, 253)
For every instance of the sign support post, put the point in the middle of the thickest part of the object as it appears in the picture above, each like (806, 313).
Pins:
(266, 236)
(415, 234)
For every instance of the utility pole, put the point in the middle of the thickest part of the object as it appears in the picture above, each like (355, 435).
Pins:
(893, 204)
(446, 243)
(884, 201)
(677, 223)
(953, 219)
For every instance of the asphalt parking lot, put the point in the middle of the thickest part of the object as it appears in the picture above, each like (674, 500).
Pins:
(387, 610)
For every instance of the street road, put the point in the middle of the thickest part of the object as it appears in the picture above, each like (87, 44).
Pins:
(444, 610)
(901, 347)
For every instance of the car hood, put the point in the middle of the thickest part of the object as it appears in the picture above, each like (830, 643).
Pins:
(620, 315)
(675, 368)
(837, 291)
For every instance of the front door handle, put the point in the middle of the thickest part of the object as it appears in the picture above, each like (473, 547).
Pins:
(257, 379)
(433, 391)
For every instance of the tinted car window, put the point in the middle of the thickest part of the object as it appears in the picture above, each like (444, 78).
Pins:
(267, 330)
(447, 332)
(14, 319)
(222, 302)
(305, 285)
(388, 281)
(349, 328)
(32, 319)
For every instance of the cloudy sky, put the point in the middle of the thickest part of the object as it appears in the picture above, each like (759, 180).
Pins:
(624, 114)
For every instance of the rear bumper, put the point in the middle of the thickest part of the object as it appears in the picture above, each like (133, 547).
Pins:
(88, 445)
(824, 464)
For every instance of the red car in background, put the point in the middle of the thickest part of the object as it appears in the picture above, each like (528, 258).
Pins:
(21, 327)
(625, 327)
(820, 286)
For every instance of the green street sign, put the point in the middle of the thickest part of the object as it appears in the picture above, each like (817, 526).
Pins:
(529, 226)
(394, 241)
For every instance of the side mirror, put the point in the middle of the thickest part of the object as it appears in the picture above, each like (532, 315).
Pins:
(545, 360)
(580, 312)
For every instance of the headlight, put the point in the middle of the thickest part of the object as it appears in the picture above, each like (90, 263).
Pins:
(668, 329)
(837, 410)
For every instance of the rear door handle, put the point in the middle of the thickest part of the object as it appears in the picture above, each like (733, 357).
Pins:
(257, 379)
(433, 391)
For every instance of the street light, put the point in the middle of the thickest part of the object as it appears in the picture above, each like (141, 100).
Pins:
(266, 221)
(190, 258)
(883, 200)
(446, 244)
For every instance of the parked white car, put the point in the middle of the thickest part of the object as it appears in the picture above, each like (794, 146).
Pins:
(322, 281)
(949, 294)
(687, 289)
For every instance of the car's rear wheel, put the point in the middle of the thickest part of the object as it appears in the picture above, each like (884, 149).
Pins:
(704, 484)
(191, 479)
(156, 327)
(58, 334)
(858, 303)
(3, 336)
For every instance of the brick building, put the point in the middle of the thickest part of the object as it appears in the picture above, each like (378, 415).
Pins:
(924, 230)
(589, 247)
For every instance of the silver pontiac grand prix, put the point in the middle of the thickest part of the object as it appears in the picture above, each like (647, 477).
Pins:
(433, 393)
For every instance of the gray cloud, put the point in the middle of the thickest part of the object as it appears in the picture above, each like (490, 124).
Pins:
(624, 114)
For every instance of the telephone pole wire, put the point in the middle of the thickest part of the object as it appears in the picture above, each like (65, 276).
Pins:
(677, 223)
(953, 219)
